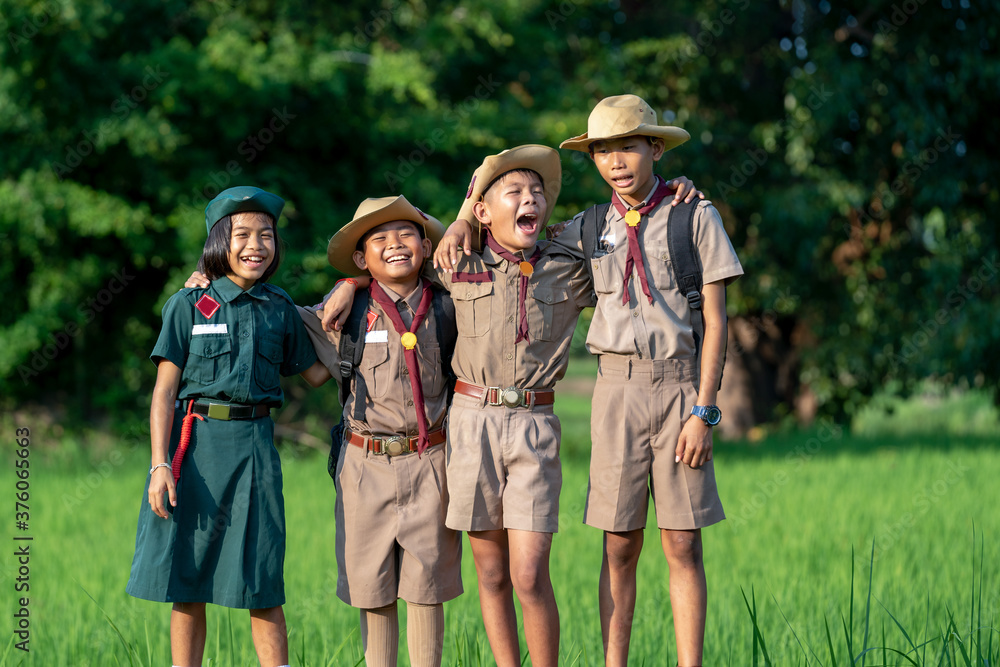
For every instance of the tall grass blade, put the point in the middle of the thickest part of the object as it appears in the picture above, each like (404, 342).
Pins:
(829, 642)
(130, 651)
(868, 605)
(758, 638)
(794, 634)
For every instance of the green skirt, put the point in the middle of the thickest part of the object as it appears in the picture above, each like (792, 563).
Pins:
(224, 542)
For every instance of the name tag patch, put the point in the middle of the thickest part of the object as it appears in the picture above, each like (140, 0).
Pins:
(377, 336)
(200, 329)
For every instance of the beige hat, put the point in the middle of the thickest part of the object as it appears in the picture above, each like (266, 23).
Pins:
(538, 158)
(370, 214)
(624, 116)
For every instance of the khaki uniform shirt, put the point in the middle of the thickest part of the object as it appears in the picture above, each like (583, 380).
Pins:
(389, 408)
(484, 288)
(663, 329)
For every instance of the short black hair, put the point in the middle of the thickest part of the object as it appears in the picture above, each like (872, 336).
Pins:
(522, 170)
(649, 139)
(364, 237)
(214, 262)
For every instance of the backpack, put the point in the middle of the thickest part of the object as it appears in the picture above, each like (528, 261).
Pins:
(352, 348)
(683, 257)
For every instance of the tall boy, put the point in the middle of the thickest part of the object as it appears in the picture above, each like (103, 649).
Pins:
(652, 417)
(653, 370)
(516, 306)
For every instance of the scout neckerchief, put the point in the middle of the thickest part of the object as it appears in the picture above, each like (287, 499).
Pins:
(527, 268)
(409, 341)
(633, 218)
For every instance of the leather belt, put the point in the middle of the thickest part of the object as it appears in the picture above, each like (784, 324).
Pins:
(224, 412)
(512, 397)
(394, 445)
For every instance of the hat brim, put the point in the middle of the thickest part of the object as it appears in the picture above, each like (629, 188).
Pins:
(340, 250)
(541, 159)
(672, 137)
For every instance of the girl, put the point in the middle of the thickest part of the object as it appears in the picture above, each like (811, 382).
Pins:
(214, 527)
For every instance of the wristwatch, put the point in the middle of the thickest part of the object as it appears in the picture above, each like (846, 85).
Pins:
(710, 414)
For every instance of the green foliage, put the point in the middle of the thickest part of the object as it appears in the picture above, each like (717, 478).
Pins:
(848, 146)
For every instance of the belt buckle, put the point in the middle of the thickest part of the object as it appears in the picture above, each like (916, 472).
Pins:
(395, 445)
(512, 397)
(218, 411)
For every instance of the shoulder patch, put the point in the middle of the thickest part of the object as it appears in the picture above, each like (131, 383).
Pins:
(207, 306)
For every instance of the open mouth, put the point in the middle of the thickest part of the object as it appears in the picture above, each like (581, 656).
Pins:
(527, 223)
(622, 181)
(253, 261)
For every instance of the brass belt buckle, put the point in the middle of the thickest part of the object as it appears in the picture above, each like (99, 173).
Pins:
(512, 397)
(395, 445)
(218, 411)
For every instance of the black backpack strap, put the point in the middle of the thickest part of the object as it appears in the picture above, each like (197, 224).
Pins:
(447, 332)
(593, 218)
(352, 346)
(683, 256)
(687, 268)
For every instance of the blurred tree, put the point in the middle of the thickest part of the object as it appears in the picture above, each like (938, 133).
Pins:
(847, 148)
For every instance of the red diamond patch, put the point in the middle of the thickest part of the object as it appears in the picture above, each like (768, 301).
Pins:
(372, 316)
(207, 306)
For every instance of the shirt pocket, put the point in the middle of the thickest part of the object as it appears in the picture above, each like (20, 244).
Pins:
(661, 270)
(208, 359)
(432, 379)
(472, 308)
(605, 274)
(376, 369)
(270, 354)
(548, 311)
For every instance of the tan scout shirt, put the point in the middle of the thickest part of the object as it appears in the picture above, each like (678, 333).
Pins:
(663, 329)
(389, 408)
(486, 312)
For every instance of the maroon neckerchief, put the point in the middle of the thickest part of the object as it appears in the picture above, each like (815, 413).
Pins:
(522, 292)
(412, 365)
(634, 255)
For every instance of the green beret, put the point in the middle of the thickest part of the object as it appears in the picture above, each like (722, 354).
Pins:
(242, 199)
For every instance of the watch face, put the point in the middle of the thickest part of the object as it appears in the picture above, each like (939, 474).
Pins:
(713, 415)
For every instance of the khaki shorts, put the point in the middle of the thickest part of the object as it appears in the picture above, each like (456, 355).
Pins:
(638, 411)
(391, 538)
(503, 467)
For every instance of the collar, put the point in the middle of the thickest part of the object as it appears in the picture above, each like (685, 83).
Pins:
(228, 291)
(412, 300)
(492, 258)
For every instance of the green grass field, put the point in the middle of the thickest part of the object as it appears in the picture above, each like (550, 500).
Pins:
(804, 512)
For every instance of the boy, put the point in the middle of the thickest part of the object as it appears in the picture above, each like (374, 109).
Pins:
(391, 497)
(516, 306)
(646, 335)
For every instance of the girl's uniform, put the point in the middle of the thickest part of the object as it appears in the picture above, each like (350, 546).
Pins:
(225, 540)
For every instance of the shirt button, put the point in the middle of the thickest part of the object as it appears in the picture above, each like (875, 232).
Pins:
(468, 295)
(663, 255)
(243, 367)
(409, 402)
(510, 356)
(406, 371)
(245, 334)
(635, 313)
(510, 319)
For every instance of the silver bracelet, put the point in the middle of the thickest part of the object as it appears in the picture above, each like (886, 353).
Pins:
(158, 465)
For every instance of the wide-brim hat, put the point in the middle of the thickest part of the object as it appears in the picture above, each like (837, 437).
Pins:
(624, 116)
(242, 199)
(371, 213)
(540, 159)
